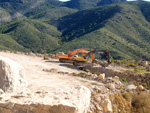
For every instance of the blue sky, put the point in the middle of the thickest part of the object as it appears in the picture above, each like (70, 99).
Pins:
(127, 0)
(135, 0)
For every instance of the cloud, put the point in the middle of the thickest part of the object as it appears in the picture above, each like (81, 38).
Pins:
(64, 0)
(136, 0)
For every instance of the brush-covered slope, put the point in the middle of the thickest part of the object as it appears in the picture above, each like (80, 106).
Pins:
(86, 4)
(49, 14)
(4, 16)
(7, 43)
(123, 28)
(32, 35)
(45, 10)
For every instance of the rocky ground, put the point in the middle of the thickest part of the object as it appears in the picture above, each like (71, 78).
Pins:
(54, 87)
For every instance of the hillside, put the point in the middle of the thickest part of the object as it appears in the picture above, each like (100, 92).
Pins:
(32, 34)
(86, 4)
(48, 27)
(7, 43)
(46, 10)
(123, 28)
(23, 21)
(4, 16)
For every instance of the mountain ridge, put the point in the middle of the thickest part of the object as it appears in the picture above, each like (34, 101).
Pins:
(125, 32)
(122, 27)
(86, 4)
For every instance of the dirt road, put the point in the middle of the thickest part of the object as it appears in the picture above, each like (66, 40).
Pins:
(38, 79)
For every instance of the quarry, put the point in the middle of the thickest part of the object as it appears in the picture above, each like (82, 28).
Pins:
(30, 84)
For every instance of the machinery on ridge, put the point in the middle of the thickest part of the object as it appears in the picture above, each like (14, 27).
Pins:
(68, 57)
(81, 57)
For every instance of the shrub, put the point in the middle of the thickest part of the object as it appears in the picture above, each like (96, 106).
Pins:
(124, 80)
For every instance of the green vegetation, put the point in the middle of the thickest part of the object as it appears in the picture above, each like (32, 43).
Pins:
(86, 4)
(7, 43)
(122, 28)
(4, 16)
(32, 34)
(124, 80)
(134, 66)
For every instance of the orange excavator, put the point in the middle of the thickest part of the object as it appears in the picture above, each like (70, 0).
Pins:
(68, 57)
(82, 56)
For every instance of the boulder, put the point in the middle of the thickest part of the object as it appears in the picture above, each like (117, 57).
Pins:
(11, 76)
(131, 87)
(115, 79)
(110, 86)
(1, 92)
(140, 87)
(101, 76)
(144, 85)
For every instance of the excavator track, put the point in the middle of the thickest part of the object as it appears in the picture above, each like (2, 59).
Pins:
(81, 64)
(65, 60)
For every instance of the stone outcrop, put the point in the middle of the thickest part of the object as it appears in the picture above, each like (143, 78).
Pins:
(68, 100)
(11, 76)
(35, 108)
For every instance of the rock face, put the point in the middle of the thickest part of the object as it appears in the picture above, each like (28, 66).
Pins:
(11, 76)
(69, 100)
(35, 108)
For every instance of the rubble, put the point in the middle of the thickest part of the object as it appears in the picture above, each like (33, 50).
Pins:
(140, 87)
(101, 76)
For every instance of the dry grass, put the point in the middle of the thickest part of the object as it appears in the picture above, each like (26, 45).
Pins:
(131, 102)
(141, 102)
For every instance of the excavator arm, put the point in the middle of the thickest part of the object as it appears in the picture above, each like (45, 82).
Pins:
(93, 52)
(82, 50)
(91, 55)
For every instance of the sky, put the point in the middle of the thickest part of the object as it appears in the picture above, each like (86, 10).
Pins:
(135, 0)
(64, 0)
(127, 0)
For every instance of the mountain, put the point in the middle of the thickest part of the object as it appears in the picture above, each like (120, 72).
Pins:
(7, 43)
(27, 23)
(86, 4)
(33, 35)
(47, 26)
(46, 10)
(123, 28)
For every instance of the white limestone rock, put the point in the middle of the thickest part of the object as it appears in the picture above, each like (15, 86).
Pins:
(12, 76)
(69, 100)
(131, 87)
(101, 76)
